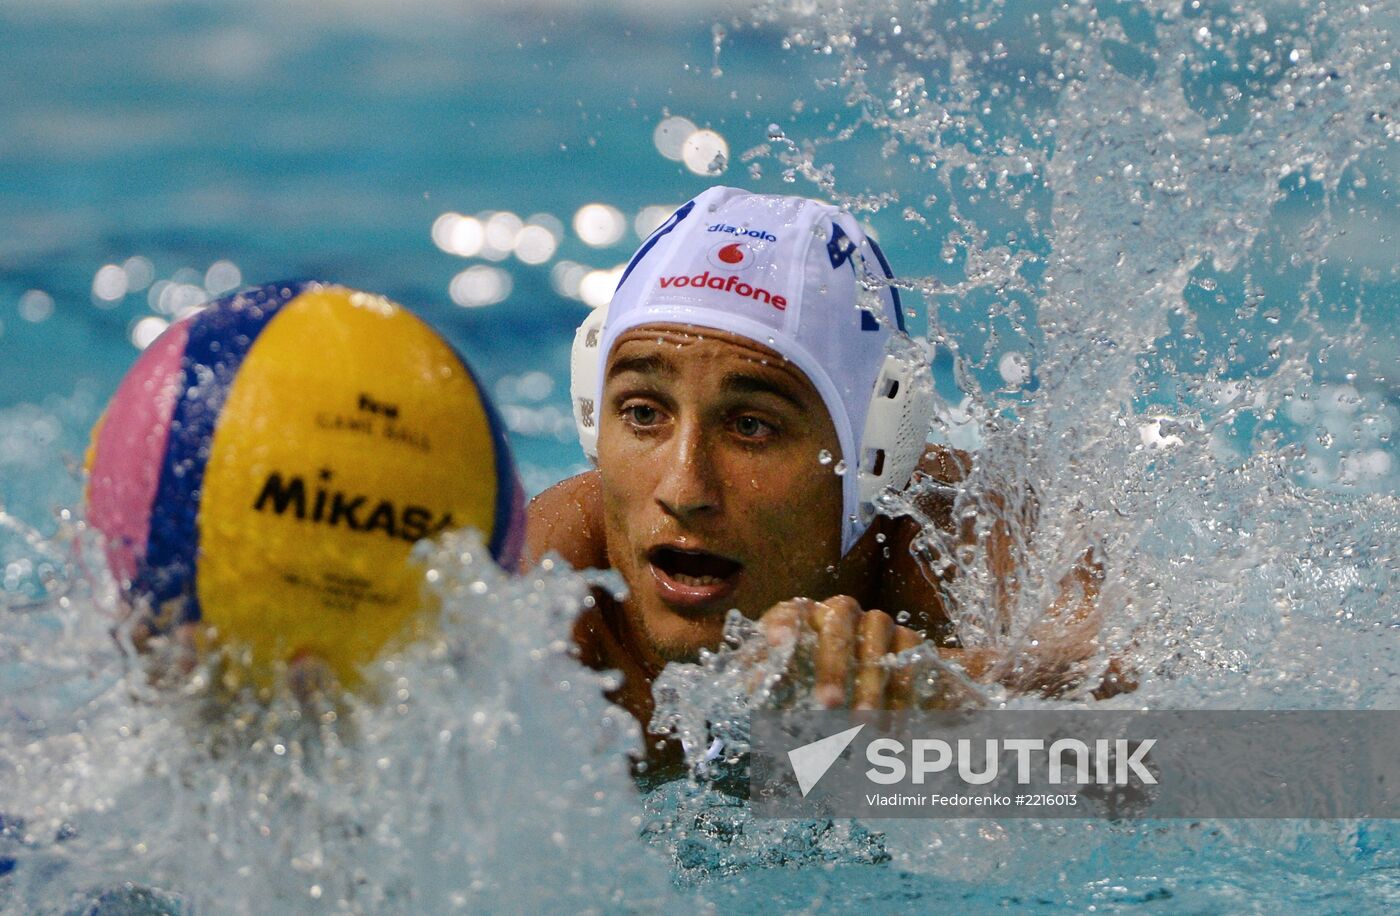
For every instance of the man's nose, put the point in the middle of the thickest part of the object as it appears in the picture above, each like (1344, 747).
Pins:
(689, 483)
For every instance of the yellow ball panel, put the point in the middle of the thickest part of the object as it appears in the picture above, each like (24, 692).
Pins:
(350, 431)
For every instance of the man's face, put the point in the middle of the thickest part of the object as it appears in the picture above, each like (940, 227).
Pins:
(715, 491)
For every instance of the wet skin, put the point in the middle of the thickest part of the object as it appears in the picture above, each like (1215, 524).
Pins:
(709, 450)
(710, 494)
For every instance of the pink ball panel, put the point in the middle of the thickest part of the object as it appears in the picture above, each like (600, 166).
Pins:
(130, 450)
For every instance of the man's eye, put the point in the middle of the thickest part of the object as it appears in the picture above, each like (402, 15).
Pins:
(752, 427)
(641, 414)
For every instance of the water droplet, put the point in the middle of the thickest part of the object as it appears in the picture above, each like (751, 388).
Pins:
(1015, 369)
(824, 457)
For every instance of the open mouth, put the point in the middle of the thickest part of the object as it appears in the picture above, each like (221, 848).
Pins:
(693, 577)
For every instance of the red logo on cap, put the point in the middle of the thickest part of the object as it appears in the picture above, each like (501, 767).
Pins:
(730, 255)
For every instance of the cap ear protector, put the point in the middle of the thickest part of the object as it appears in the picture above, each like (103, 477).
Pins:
(896, 429)
(902, 406)
(585, 375)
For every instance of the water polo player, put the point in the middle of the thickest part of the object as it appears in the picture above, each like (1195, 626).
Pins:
(263, 471)
(745, 403)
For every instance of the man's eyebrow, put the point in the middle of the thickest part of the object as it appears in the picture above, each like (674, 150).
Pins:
(744, 383)
(646, 365)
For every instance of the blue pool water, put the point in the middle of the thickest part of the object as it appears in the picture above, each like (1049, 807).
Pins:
(1154, 244)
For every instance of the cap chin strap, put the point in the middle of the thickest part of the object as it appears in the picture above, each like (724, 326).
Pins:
(896, 424)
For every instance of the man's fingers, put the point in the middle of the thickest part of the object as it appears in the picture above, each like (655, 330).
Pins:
(781, 626)
(835, 622)
(901, 686)
(872, 646)
(819, 611)
(852, 651)
(783, 621)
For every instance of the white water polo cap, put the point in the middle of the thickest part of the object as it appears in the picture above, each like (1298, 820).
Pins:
(802, 278)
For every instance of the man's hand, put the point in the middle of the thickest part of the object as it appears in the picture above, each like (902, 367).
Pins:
(1053, 657)
(1055, 652)
(852, 655)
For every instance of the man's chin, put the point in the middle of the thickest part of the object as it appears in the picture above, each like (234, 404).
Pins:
(677, 639)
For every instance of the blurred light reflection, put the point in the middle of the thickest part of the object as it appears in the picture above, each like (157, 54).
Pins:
(145, 330)
(109, 284)
(480, 285)
(599, 225)
(706, 153)
(550, 223)
(177, 297)
(222, 277)
(532, 386)
(566, 276)
(457, 234)
(648, 218)
(501, 228)
(535, 245)
(139, 273)
(35, 306)
(597, 287)
(539, 422)
(670, 136)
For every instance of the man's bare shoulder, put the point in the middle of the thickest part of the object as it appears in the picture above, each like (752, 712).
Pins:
(568, 520)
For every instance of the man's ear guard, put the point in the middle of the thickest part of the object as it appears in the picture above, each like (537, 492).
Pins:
(586, 379)
(896, 429)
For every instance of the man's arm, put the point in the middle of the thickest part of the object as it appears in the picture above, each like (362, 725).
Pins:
(906, 576)
(1066, 635)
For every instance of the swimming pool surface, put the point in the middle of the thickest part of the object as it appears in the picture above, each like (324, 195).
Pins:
(1154, 244)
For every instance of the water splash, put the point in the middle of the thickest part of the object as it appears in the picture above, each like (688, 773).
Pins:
(435, 793)
(1174, 214)
(1149, 210)
(1098, 178)
(34, 574)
